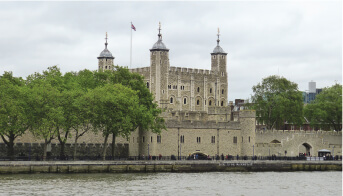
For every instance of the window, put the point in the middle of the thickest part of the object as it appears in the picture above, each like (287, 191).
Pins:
(205, 102)
(147, 84)
(143, 139)
(171, 99)
(210, 90)
(213, 139)
(198, 102)
(210, 102)
(184, 100)
(235, 140)
(105, 67)
(198, 89)
(222, 73)
(162, 91)
(198, 140)
(182, 139)
(169, 86)
(133, 139)
(158, 139)
(249, 139)
(222, 103)
(242, 139)
(222, 91)
(151, 139)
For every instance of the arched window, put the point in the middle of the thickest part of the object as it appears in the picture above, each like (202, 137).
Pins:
(184, 100)
(222, 91)
(105, 67)
(198, 102)
(222, 103)
(210, 102)
(171, 99)
(198, 90)
(210, 90)
(147, 84)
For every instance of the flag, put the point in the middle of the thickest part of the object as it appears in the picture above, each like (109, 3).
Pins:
(133, 27)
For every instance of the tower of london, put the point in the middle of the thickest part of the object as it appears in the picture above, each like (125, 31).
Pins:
(199, 116)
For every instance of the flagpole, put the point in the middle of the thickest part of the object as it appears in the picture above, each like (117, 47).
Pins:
(131, 47)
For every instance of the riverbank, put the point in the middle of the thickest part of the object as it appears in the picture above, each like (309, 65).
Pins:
(28, 167)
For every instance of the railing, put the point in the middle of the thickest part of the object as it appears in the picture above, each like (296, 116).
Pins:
(169, 158)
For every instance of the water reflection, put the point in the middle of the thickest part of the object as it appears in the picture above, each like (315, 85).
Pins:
(247, 183)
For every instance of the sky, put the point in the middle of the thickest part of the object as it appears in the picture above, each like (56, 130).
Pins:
(301, 41)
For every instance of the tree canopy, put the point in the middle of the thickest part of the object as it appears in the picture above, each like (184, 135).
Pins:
(13, 110)
(276, 101)
(52, 105)
(326, 110)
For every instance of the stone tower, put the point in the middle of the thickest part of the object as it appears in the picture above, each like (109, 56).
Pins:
(218, 66)
(105, 61)
(159, 71)
(247, 120)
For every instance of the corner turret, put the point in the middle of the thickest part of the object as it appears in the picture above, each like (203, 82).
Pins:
(105, 61)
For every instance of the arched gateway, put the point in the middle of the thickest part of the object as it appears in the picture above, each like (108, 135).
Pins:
(305, 149)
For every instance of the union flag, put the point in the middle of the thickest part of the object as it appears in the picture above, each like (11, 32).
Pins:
(133, 27)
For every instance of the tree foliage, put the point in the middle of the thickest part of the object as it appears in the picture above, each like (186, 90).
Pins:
(13, 110)
(326, 110)
(54, 106)
(276, 101)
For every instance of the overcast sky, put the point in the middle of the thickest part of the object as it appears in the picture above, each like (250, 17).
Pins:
(299, 41)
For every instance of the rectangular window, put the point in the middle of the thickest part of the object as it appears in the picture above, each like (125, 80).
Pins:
(143, 139)
(182, 139)
(158, 139)
(235, 140)
(198, 140)
(213, 139)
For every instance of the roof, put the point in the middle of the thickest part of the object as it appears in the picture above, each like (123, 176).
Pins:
(106, 53)
(218, 49)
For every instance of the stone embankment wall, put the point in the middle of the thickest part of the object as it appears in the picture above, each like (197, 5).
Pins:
(165, 166)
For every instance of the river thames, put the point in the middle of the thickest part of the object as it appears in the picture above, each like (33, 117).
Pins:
(213, 183)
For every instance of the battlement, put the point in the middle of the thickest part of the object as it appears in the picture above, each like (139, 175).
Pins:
(140, 69)
(335, 133)
(247, 114)
(190, 70)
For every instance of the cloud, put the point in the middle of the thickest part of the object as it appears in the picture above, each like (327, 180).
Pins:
(300, 41)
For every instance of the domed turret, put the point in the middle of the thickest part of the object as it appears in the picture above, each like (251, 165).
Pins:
(159, 45)
(105, 58)
(218, 49)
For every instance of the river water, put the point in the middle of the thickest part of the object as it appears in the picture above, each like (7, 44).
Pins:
(214, 183)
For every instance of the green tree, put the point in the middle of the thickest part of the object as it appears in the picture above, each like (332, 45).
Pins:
(276, 101)
(115, 108)
(85, 80)
(326, 110)
(13, 113)
(45, 111)
(149, 119)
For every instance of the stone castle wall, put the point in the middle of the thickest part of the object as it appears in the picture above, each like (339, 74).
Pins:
(295, 142)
